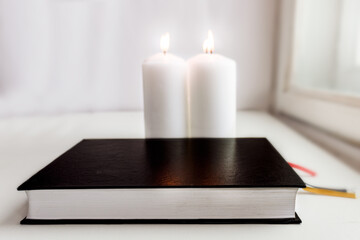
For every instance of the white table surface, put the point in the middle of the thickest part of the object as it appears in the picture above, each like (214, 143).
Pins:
(28, 144)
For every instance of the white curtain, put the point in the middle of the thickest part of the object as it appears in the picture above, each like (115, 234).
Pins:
(61, 56)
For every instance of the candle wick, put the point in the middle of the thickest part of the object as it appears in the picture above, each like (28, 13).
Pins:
(164, 52)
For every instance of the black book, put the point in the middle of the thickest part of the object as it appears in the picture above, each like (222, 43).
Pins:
(194, 180)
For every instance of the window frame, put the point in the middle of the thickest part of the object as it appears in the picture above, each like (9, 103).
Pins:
(333, 112)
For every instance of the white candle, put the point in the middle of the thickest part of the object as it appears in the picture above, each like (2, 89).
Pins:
(212, 94)
(165, 102)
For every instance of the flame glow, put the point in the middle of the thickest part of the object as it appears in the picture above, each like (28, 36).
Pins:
(165, 42)
(208, 45)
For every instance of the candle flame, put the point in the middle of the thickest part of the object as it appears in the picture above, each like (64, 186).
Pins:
(165, 42)
(205, 46)
(208, 45)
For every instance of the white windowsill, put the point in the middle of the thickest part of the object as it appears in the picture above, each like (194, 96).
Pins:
(28, 144)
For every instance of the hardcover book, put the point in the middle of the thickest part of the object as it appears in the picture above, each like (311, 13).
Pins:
(192, 180)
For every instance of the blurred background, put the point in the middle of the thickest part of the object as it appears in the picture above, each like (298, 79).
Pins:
(85, 55)
(298, 60)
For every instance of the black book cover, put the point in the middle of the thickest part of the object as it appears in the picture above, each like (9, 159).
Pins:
(167, 163)
(295, 220)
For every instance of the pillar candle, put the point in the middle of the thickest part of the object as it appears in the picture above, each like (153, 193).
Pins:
(212, 93)
(164, 88)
